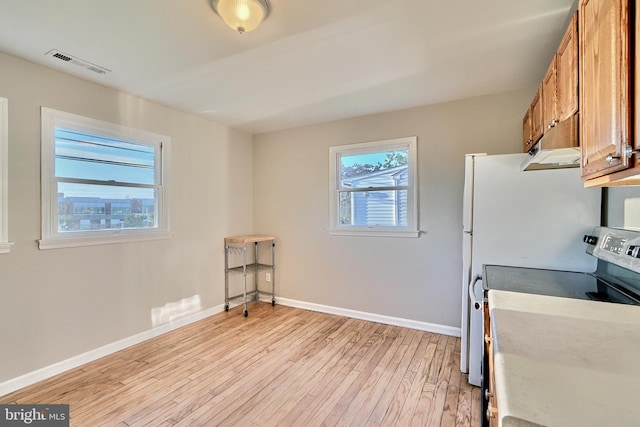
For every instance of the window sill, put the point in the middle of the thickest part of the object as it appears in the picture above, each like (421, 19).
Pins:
(5, 247)
(74, 242)
(374, 233)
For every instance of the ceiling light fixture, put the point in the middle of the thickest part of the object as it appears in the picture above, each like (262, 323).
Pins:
(242, 15)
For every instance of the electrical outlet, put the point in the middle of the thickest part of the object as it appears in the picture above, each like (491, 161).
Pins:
(268, 277)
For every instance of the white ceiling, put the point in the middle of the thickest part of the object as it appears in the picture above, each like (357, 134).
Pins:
(310, 61)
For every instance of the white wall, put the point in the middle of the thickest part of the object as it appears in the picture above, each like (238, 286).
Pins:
(56, 304)
(411, 278)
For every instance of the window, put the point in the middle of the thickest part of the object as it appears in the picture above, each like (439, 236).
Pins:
(101, 183)
(372, 188)
(4, 187)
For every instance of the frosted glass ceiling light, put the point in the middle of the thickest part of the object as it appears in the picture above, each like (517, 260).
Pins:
(242, 15)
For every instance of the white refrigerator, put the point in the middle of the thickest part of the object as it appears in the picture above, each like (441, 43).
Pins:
(525, 219)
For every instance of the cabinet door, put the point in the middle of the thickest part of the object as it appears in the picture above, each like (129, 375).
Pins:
(527, 141)
(567, 72)
(635, 160)
(536, 116)
(491, 413)
(604, 86)
(549, 117)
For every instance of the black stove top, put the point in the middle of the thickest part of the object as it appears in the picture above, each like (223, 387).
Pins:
(566, 284)
(616, 279)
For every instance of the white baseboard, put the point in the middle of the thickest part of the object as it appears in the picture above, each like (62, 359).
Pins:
(91, 355)
(75, 361)
(372, 317)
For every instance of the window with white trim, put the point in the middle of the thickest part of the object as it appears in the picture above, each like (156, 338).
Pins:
(101, 182)
(4, 186)
(373, 188)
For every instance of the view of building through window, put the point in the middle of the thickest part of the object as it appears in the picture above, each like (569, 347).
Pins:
(373, 189)
(103, 183)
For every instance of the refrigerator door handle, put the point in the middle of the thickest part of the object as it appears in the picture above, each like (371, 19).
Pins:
(472, 292)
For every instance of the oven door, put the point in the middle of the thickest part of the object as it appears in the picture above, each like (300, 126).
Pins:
(479, 360)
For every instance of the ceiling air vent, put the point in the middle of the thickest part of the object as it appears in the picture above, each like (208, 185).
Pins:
(61, 56)
(76, 61)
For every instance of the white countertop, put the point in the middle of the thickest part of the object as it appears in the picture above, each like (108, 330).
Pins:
(565, 362)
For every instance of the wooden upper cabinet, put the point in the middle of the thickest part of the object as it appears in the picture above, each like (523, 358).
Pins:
(527, 140)
(549, 115)
(605, 119)
(536, 116)
(557, 96)
(567, 72)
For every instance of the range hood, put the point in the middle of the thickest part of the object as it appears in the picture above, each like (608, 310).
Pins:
(557, 149)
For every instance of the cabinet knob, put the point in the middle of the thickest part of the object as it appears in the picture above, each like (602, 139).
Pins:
(491, 412)
(610, 158)
(628, 152)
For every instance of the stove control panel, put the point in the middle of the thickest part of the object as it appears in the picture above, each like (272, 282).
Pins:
(617, 246)
(590, 240)
(613, 244)
(633, 251)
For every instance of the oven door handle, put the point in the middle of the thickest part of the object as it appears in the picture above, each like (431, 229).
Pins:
(472, 292)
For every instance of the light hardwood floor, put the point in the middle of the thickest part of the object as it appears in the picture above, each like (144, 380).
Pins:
(281, 366)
